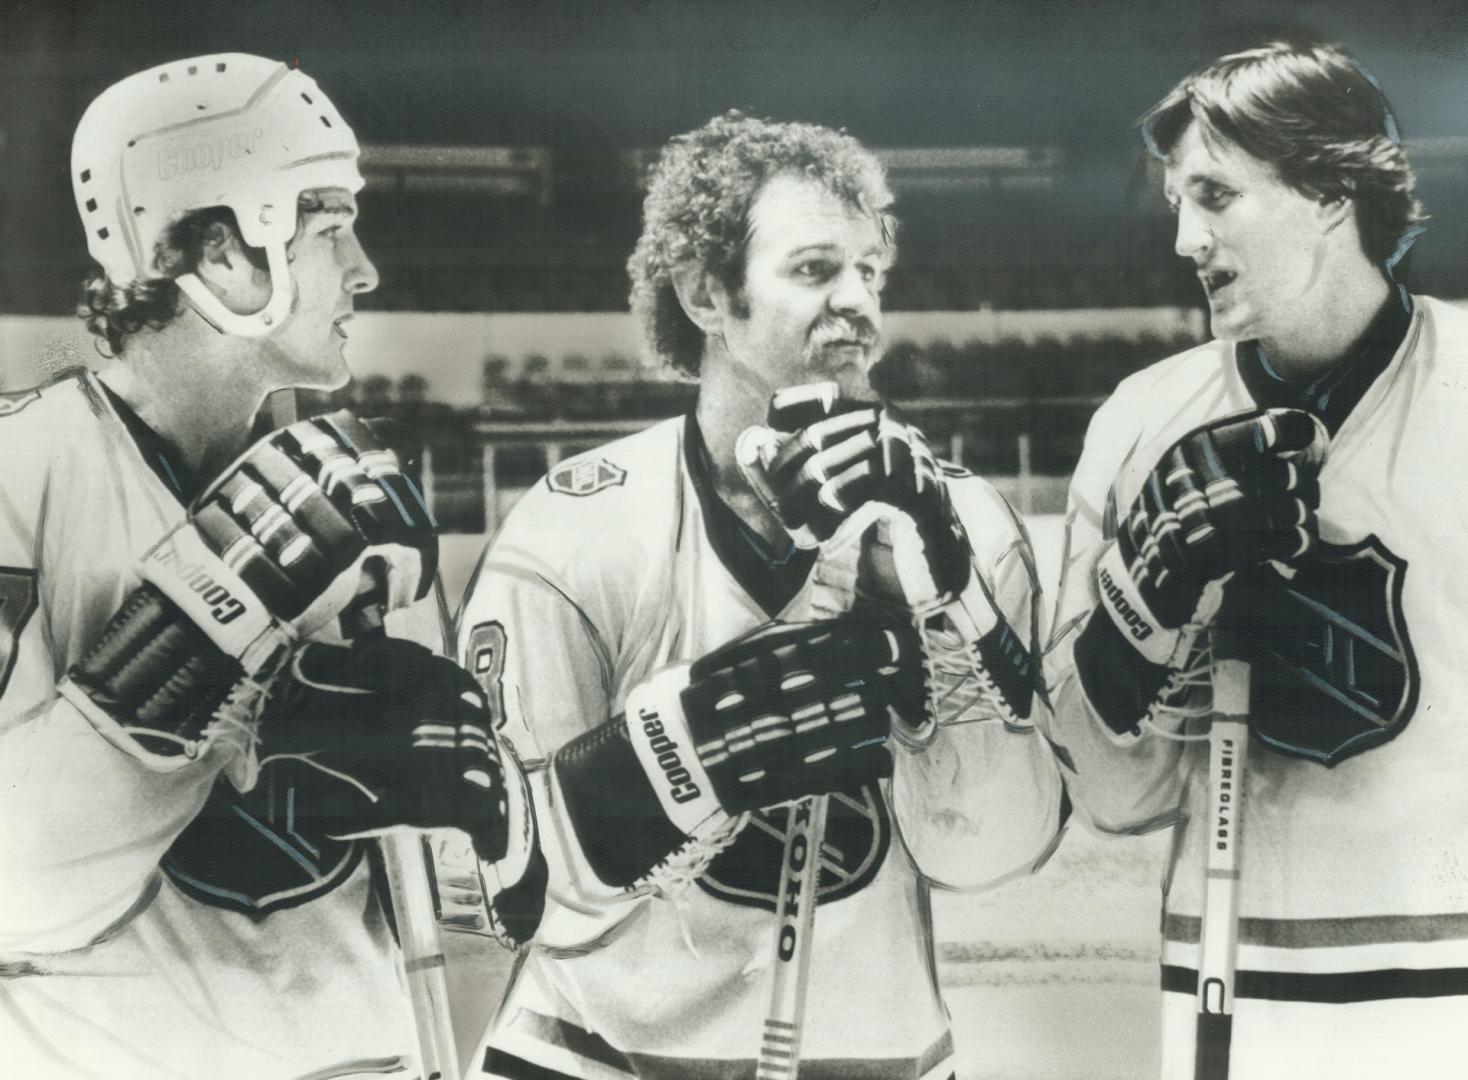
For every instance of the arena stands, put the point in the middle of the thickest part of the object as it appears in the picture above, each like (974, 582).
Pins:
(1010, 408)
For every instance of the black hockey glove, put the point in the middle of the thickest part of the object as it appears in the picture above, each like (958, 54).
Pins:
(1230, 495)
(864, 486)
(786, 711)
(270, 552)
(399, 736)
(315, 499)
(822, 456)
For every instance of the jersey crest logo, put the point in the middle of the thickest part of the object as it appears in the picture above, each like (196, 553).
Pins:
(585, 477)
(1334, 671)
(261, 851)
(858, 834)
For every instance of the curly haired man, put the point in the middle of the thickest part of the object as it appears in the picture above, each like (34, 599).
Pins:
(759, 271)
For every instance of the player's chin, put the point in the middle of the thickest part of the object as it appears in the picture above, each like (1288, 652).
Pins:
(326, 370)
(1230, 327)
(1231, 322)
(845, 365)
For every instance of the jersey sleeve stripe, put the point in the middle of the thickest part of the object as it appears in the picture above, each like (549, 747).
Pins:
(1331, 932)
(1336, 988)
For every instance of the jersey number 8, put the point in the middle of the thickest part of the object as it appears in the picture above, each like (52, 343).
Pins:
(486, 661)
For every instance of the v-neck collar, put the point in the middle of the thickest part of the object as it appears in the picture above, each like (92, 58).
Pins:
(1337, 391)
(771, 577)
(160, 455)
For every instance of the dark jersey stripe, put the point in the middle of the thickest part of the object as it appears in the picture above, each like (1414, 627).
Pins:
(771, 578)
(1335, 988)
(658, 1067)
(500, 1064)
(554, 1031)
(1338, 932)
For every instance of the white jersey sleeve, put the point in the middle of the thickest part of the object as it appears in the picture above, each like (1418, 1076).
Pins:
(1353, 927)
(538, 653)
(543, 638)
(85, 824)
(984, 800)
(1119, 783)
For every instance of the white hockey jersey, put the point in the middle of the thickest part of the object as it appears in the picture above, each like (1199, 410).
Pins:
(111, 966)
(1353, 939)
(617, 564)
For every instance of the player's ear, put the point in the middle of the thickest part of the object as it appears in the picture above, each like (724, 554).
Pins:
(698, 295)
(223, 267)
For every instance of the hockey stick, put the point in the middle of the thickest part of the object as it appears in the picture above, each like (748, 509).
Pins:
(795, 920)
(800, 871)
(405, 860)
(1228, 751)
(797, 898)
(800, 863)
(405, 857)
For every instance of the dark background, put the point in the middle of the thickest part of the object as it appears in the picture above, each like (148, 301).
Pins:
(588, 82)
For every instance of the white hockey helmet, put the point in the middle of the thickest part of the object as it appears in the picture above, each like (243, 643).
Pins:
(226, 130)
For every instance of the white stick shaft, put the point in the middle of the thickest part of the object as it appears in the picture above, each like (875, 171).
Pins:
(800, 871)
(1228, 751)
(406, 864)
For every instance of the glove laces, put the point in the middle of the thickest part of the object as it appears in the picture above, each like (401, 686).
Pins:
(235, 723)
(672, 877)
(1183, 698)
(961, 688)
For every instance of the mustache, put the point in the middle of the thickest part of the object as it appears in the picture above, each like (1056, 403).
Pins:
(859, 330)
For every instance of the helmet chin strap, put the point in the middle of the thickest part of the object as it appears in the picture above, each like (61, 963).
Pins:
(257, 324)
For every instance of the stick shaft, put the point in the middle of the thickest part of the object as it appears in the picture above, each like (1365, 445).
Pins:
(1228, 751)
(800, 871)
(405, 864)
(404, 857)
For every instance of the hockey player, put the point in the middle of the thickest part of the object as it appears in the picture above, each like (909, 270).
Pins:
(189, 753)
(1294, 200)
(759, 271)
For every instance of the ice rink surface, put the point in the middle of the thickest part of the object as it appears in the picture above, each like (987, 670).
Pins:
(1051, 977)
(1055, 977)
